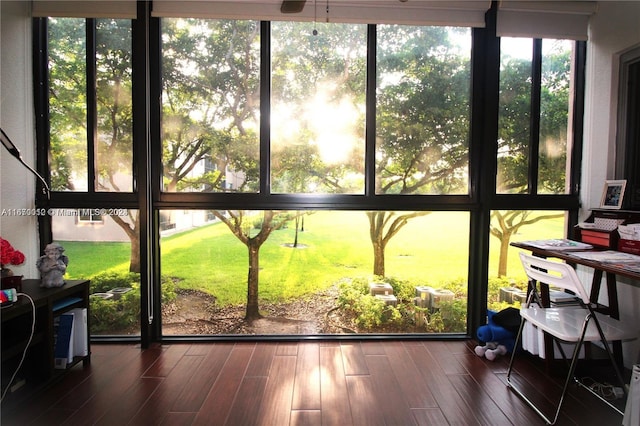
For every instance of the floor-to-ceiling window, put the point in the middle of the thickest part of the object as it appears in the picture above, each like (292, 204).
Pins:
(300, 170)
(535, 142)
(90, 152)
(274, 266)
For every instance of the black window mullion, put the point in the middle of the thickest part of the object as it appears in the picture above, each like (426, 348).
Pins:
(578, 114)
(41, 105)
(92, 115)
(265, 108)
(370, 134)
(534, 135)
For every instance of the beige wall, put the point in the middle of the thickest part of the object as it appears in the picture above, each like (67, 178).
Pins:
(613, 30)
(17, 185)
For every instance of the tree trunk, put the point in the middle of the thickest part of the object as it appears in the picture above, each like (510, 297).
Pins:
(252, 288)
(295, 240)
(134, 264)
(504, 251)
(378, 258)
(132, 231)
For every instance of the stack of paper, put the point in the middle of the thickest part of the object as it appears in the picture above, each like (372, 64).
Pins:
(607, 256)
(630, 232)
(558, 244)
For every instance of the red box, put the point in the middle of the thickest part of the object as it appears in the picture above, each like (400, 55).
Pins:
(597, 238)
(629, 246)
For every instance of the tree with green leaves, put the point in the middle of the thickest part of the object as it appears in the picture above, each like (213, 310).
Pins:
(67, 102)
(505, 224)
(422, 122)
(112, 138)
(210, 104)
(514, 132)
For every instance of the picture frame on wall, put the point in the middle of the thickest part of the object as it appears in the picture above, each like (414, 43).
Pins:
(613, 194)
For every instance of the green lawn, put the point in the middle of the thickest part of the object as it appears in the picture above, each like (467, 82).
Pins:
(428, 251)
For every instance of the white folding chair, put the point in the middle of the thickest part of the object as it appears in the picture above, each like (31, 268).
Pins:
(575, 324)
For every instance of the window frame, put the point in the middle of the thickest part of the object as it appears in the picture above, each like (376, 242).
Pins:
(149, 200)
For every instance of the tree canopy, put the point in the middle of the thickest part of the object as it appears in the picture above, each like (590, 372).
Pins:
(211, 125)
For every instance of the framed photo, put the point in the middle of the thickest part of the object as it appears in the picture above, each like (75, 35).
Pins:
(612, 194)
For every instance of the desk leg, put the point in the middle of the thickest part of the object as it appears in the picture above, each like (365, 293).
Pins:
(595, 285)
(612, 293)
(614, 312)
(613, 309)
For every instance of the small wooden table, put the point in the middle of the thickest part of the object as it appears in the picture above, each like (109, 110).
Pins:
(17, 323)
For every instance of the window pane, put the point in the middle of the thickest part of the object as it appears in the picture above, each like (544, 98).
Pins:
(210, 105)
(318, 107)
(314, 272)
(554, 116)
(514, 119)
(423, 110)
(114, 152)
(507, 280)
(104, 251)
(67, 104)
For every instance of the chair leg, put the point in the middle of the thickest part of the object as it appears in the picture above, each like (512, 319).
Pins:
(513, 352)
(570, 374)
(568, 379)
(516, 389)
(616, 368)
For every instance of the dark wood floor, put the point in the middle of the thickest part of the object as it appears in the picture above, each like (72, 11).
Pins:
(299, 383)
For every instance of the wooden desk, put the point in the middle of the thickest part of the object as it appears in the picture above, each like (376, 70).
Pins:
(599, 268)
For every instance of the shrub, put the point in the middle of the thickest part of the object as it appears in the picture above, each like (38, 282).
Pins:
(404, 291)
(453, 315)
(369, 312)
(106, 281)
(117, 315)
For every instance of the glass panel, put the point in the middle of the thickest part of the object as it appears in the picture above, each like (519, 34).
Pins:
(314, 272)
(210, 105)
(554, 116)
(114, 144)
(67, 104)
(507, 280)
(422, 110)
(514, 116)
(318, 107)
(106, 251)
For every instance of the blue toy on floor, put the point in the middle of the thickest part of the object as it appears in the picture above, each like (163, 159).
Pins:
(497, 339)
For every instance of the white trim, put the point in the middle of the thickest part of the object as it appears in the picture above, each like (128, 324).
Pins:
(545, 19)
(413, 12)
(85, 9)
(542, 25)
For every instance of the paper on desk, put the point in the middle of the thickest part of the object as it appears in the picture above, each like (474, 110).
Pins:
(607, 256)
(558, 244)
(629, 232)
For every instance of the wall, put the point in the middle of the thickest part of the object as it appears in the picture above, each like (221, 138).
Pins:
(613, 30)
(17, 120)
